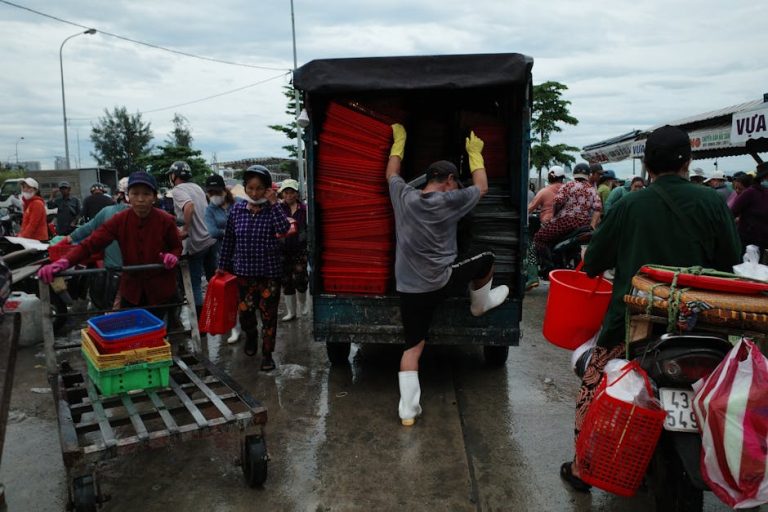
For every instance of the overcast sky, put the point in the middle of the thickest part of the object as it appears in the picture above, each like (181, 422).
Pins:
(628, 65)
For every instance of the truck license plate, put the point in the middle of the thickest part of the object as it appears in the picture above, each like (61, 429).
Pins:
(679, 406)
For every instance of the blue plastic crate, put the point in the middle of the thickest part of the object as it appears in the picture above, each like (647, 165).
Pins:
(124, 324)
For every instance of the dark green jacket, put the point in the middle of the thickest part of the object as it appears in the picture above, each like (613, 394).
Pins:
(642, 229)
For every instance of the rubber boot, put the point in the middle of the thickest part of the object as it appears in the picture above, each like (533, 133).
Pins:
(234, 336)
(290, 307)
(303, 305)
(410, 394)
(484, 298)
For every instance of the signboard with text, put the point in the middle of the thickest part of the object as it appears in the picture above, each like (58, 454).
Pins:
(752, 124)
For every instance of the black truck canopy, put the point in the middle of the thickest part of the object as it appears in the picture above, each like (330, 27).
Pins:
(411, 73)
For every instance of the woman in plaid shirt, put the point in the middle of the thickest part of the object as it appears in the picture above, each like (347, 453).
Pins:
(250, 250)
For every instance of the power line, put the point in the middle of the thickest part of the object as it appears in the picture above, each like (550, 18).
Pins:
(150, 45)
(199, 100)
(218, 95)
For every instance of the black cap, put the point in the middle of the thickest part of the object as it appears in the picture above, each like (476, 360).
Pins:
(214, 181)
(442, 169)
(595, 168)
(142, 178)
(667, 149)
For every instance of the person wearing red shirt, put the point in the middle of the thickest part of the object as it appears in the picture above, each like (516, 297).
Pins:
(146, 235)
(33, 223)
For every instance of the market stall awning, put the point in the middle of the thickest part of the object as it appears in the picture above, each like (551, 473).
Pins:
(736, 130)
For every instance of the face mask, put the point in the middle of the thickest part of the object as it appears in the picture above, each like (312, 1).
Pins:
(27, 195)
(217, 200)
(257, 202)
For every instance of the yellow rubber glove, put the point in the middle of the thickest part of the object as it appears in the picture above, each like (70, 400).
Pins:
(474, 146)
(398, 146)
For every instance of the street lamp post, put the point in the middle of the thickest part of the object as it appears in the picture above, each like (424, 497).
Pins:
(17, 150)
(89, 32)
(297, 99)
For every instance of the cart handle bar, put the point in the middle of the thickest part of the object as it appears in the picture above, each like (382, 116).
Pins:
(130, 268)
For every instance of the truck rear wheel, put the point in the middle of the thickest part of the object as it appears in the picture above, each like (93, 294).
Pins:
(495, 355)
(338, 353)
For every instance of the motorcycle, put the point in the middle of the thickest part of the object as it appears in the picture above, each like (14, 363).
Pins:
(564, 253)
(10, 221)
(674, 362)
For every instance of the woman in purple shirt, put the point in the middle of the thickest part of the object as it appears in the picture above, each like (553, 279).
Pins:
(250, 250)
(751, 208)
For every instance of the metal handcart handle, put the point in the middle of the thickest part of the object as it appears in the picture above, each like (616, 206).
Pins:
(199, 344)
(130, 268)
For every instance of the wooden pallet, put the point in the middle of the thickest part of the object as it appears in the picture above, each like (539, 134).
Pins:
(201, 401)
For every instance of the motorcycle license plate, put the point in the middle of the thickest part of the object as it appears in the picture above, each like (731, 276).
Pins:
(679, 406)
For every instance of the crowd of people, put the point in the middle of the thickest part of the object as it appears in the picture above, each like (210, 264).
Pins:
(260, 238)
(563, 207)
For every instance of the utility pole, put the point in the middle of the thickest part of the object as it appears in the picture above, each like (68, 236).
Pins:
(297, 99)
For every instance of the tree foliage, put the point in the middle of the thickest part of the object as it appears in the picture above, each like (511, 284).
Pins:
(289, 129)
(121, 140)
(177, 147)
(549, 112)
(181, 135)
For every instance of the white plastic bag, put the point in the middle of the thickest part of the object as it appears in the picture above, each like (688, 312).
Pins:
(751, 267)
(627, 385)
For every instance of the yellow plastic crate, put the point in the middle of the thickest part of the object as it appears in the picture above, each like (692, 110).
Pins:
(103, 362)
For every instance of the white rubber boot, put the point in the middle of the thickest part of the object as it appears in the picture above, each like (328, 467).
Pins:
(303, 306)
(290, 308)
(234, 335)
(484, 299)
(410, 394)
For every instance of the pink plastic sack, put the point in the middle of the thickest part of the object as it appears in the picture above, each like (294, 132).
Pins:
(731, 405)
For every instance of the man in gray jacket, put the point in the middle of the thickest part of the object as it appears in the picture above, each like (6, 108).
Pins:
(427, 267)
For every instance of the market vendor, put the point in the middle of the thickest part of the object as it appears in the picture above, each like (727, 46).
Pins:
(146, 235)
(672, 222)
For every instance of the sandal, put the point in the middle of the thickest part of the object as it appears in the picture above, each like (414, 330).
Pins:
(251, 346)
(267, 363)
(576, 483)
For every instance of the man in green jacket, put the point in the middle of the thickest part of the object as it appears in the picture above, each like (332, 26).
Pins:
(672, 222)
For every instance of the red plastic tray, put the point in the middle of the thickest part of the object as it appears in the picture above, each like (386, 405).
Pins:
(718, 284)
(339, 283)
(149, 340)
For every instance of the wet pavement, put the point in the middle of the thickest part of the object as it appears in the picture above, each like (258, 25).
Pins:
(490, 439)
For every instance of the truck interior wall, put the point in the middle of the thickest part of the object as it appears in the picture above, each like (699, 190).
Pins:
(437, 123)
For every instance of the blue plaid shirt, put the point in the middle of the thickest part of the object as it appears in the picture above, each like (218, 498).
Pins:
(249, 247)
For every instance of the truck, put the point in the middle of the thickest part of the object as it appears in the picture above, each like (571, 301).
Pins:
(439, 99)
(80, 180)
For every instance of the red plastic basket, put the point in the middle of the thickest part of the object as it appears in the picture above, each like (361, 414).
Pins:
(149, 340)
(617, 441)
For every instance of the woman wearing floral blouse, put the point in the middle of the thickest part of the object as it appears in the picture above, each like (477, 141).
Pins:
(576, 204)
(250, 250)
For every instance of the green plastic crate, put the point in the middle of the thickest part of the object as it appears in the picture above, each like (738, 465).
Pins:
(129, 378)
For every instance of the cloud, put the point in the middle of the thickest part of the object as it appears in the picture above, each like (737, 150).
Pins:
(627, 64)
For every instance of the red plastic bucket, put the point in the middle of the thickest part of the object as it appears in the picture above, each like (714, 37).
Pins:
(575, 309)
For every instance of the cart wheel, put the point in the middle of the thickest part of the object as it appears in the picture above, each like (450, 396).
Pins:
(338, 353)
(495, 355)
(254, 460)
(84, 495)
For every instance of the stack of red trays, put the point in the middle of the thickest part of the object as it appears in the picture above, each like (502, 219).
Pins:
(495, 148)
(352, 196)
